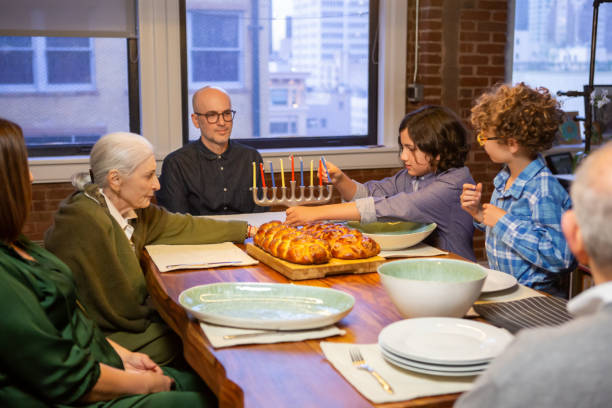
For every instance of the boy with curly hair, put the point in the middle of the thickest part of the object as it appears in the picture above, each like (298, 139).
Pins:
(522, 223)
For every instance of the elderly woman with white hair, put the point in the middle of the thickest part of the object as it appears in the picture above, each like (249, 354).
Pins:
(100, 232)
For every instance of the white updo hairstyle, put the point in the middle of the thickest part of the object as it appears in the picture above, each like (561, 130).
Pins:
(122, 151)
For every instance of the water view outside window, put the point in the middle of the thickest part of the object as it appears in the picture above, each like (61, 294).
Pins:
(64, 91)
(293, 68)
(552, 45)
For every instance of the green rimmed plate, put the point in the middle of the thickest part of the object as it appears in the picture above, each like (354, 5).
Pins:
(395, 235)
(270, 306)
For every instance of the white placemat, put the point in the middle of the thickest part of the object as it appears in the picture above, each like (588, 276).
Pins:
(256, 219)
(172, 257)
(406, 384)
(221, 336)
(417, 250)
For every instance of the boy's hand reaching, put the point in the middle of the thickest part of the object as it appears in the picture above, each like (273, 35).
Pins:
(301, 215)
(491, 214)
(470, 201)
(335, 174)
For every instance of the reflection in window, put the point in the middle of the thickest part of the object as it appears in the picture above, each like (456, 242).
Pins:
(552, 40)
(215, 47)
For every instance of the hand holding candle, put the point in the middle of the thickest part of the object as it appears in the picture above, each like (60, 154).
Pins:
(325, 167)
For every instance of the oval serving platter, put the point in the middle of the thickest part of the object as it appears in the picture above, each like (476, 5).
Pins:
(271, 306)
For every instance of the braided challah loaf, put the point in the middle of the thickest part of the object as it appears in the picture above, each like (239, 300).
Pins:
(344, 242)
(290, 244)
(314, 243)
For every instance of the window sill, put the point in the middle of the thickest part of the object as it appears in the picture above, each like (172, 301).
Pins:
(60, 169)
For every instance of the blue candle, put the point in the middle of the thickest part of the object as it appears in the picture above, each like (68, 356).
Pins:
(301, 172)
(272, 175)
(324, 166)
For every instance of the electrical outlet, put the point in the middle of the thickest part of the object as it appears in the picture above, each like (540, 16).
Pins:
(414, 92)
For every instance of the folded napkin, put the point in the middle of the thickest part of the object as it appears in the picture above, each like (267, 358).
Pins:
(529, 312)
(406, 384)
(216, 334)
(171, 257)
(417, 250)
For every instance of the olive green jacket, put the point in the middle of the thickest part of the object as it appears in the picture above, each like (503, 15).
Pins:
(110, 282)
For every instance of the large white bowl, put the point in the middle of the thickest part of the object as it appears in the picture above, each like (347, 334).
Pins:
(432, 287)
(395, 235)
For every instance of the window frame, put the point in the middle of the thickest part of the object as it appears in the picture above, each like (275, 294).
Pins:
(239, 83)
(369, 139)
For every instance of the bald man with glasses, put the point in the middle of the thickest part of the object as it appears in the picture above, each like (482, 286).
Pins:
(211, 175)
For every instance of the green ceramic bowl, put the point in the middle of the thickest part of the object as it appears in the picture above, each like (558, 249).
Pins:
(432, 287)
(395, 235)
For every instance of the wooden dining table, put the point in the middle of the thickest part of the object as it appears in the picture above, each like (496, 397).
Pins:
(290, 374)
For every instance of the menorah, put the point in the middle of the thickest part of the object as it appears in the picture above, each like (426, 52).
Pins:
(306, 195)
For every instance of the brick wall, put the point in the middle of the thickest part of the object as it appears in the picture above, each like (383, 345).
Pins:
(461, 52)
(462, 45)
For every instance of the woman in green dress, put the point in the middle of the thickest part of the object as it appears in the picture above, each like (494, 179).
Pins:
(51, 354)
(101, 230)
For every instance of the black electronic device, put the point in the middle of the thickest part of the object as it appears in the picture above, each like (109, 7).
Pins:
(560, 163)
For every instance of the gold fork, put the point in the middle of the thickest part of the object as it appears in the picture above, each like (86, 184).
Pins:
(359, 362)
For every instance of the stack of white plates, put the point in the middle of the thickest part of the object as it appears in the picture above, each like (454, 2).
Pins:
(442, 345)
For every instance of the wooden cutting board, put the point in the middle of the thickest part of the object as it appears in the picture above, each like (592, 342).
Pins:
(300, 272)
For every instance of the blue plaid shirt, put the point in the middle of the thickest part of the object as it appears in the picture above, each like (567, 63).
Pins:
(528, 242)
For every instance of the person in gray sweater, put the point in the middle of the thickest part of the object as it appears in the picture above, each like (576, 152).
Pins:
(568, 365)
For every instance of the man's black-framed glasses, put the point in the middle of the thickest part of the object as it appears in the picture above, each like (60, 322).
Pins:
(213, 117)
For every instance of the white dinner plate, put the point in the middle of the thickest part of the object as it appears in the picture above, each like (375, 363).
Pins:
(497, 280)
(268, 306)
(420, 369)
(444, 340)
(431, 366)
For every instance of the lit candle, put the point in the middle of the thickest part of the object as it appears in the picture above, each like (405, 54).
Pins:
(325, 167)
(292, 172)
(320, 173)
(282, 174)
(311, 173)
(301, 172)
(272, 175)
(263, 179)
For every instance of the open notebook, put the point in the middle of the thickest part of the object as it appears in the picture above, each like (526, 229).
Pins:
(172, 257)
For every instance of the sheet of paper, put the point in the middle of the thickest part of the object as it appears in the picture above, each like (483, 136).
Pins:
(256, 219)
(417, 250)
(172, 257)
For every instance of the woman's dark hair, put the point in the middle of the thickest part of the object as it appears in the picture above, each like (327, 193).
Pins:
(15, 185)
(437, 130)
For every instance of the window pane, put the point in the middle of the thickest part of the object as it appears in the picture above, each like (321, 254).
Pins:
(212, 66)
(77, 104)
(67, 42)
(302, 72)
(16, 42)
(16, 67)
(68, 67)
(552, 41)
(215, 30)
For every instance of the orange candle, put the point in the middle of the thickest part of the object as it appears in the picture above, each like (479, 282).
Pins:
(320, 173)
(263, 179)
(292, 171)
